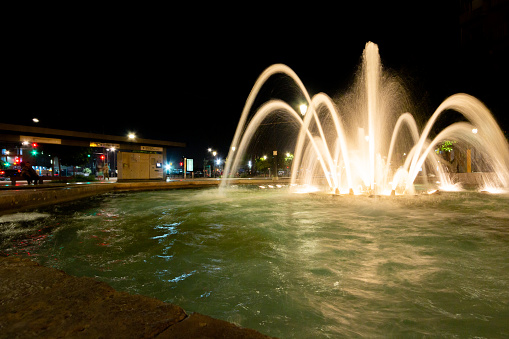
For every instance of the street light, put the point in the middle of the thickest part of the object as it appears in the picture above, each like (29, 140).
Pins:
(131, 136)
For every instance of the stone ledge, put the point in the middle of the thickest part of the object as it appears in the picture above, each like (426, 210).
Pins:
(42, 302)
(12, 201)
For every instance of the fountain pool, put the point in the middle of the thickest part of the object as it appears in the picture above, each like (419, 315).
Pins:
(291, 265)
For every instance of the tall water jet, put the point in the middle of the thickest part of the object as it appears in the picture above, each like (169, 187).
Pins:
(371, 59)
(352, 145)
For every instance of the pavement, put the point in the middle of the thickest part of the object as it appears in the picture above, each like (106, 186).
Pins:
(43, 302)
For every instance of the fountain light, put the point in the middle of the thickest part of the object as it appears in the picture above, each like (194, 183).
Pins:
(492, 189)
(303, 109)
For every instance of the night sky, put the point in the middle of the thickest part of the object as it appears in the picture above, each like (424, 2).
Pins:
(184, 73)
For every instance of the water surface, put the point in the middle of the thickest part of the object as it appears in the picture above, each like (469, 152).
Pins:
(292, 266)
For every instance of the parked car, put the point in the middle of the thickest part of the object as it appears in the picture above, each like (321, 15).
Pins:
(6, 174)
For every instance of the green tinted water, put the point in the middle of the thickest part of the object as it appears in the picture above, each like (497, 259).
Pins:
(292, 266)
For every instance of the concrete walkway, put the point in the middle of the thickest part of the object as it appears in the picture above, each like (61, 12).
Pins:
(42, 302)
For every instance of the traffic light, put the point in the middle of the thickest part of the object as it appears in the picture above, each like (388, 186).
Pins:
(34, 150)
(102, 157)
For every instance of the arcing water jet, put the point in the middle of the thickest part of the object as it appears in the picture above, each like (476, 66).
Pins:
(347, 159)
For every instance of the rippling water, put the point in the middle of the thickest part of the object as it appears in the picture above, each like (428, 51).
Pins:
(293, 266)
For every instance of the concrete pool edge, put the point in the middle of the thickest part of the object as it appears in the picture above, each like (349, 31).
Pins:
(40, 301)
(14, 200)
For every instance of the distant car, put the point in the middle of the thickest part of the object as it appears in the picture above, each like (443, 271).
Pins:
(198, 174)
(6, 174)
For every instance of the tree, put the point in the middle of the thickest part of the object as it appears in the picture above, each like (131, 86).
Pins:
(74, 156)
(288, 162)
(262, 164)
(69, 155)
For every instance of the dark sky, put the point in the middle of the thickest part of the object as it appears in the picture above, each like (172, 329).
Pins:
(184, 73)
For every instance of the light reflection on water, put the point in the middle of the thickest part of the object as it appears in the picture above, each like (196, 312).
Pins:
(292, 265)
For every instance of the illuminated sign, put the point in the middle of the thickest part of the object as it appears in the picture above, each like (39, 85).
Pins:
(34, 140)
(151, 148)
(190, 165)
(104, 144)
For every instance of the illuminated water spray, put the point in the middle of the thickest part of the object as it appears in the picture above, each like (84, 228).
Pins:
(355, 153)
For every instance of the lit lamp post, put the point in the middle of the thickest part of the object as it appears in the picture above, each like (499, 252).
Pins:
(168, 171)
(274, 153)
(211, 168)
(112, 149)
(218, 163)
(213, 174)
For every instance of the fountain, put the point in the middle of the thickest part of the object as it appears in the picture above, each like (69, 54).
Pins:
(310, 266)
(356, 153)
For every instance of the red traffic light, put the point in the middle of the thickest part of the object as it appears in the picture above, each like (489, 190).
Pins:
(102, 157)
(34, 144)
(181, 164)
